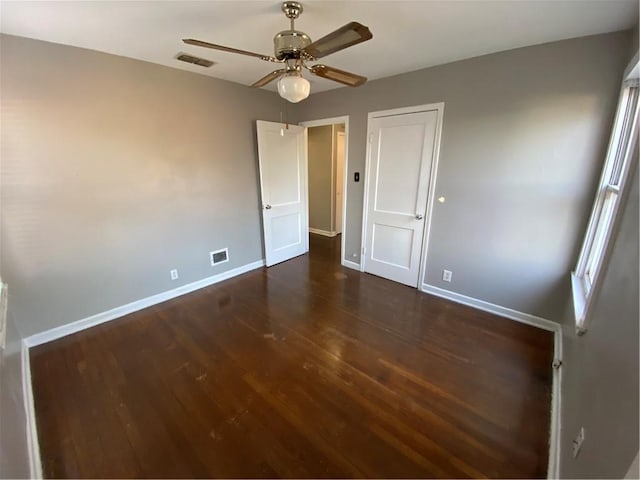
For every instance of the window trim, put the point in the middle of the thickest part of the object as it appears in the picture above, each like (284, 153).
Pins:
(613, 181)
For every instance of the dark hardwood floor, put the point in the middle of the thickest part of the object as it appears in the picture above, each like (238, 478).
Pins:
(305, 369)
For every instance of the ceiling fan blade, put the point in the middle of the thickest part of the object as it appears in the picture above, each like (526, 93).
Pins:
(350, 34)
(269, 77)
(336, 75)
(200, 43)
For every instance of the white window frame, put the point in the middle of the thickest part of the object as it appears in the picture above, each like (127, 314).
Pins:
(585, 280)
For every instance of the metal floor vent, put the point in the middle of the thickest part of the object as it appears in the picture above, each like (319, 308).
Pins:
(203, 62)
(219, 256)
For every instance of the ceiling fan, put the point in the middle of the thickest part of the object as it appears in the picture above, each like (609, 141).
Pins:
(294, 49)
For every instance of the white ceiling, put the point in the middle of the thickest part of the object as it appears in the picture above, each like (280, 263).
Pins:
(407, 35)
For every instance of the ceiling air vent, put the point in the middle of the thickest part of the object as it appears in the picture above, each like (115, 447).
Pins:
(203, 62)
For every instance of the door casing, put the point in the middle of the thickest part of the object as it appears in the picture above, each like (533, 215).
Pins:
(339, 174)
(332, 121)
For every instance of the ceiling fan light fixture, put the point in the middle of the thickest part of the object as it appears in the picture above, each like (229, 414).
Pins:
(294, 49)
(293, 87)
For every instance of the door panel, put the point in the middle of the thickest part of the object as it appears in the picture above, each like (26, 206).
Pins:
(392, 245)
(401, 154)
(399, 160)
(282, 155)
(282, 170)
(286, 231)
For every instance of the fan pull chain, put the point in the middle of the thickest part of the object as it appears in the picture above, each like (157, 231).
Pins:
(285, 122)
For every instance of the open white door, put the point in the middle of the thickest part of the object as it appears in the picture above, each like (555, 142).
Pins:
(282, 155)
(400, 161)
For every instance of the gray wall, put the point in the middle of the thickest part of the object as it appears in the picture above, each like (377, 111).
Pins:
(635, 39)
(14, 454)
(600, 368)
(320, 159)
(115, 171)
(523, 138)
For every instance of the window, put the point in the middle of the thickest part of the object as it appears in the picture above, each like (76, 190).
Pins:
(616, 168)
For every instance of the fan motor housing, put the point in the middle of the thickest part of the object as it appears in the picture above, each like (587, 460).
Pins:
(290, 43)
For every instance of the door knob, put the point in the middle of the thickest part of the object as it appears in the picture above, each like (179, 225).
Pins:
(267, 207)
(419, 216)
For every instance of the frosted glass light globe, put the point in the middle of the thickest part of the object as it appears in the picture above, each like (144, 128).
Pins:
(294, 88)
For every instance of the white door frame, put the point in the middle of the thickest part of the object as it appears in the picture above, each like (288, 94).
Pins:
(332, 121)
(334, 209)
(439, 107)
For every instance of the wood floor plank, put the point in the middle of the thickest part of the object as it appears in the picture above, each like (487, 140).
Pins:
(302, 370)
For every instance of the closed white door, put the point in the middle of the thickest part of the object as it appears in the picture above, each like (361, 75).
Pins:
(339, 181)
(400, 162)
(282, 155)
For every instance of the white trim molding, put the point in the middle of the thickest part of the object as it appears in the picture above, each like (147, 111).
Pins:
(35, 462)
(492, 308)
(324, 233)
(619, 162)
(345, 181)
(58, 332)
(97, 319)
(553, 468)
(350, 264)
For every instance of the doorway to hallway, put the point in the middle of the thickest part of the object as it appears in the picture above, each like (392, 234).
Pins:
(326, 157)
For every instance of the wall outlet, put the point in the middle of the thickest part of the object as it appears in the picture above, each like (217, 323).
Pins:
(174, 274)
(577, 442)
(446, 275)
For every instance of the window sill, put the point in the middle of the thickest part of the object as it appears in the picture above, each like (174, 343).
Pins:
(579, 303)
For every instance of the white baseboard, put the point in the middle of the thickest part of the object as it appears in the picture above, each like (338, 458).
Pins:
(35, 463)
(350, 264)
(58, 332)
(553, 468)
(322, 232)
(493, 308)
(93, 320)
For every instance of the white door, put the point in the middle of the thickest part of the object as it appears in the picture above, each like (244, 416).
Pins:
(282, 155)
(400, 160)
(339, 182)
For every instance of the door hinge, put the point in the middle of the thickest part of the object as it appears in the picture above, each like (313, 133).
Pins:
(371, 138)
(557, 363)
(363, 250)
